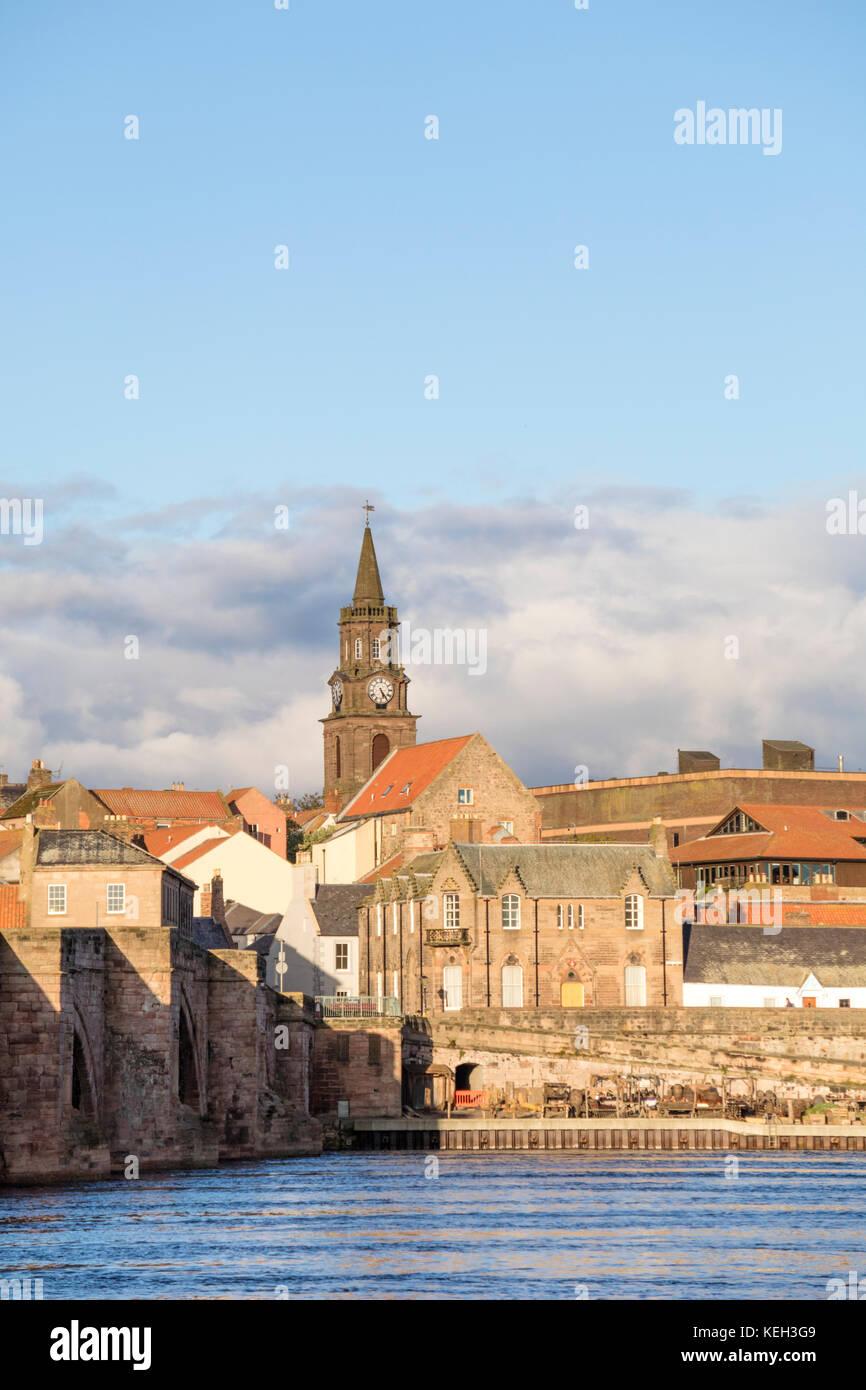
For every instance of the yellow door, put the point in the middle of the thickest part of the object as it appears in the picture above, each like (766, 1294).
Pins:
(572, 995)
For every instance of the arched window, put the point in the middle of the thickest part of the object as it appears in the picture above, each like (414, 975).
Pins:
(635, 986)
(381, 749)
(512, 986)
(634, 912)
(559, 921)
(359, 648)
(511, 912)
(452, 987)
(339, 757)
(451, 907)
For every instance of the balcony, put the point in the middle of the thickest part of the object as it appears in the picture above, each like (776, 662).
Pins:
(357, 1006)
(447, 936)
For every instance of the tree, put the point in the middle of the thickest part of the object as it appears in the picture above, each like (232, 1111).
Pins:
(310, 801)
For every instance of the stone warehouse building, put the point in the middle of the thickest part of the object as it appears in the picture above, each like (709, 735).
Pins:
(693, 799)
(524, 927)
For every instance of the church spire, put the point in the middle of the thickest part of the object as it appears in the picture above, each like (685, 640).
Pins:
(368, 585)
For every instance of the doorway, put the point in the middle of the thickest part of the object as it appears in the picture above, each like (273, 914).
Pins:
(571, 994)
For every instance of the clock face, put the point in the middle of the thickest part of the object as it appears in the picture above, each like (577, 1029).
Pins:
(337, 693)
(380, 690)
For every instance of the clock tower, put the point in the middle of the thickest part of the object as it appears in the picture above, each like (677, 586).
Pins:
(369, 711)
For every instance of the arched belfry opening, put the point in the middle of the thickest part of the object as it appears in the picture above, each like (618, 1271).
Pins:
(381, 749)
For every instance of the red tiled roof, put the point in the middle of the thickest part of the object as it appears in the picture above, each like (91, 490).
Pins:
(9, 841)
(384, 870)
(12, 912)
(238, 791)
(303, 817)
(788, 832)
(416, 767)
(201, 806)
(158, 842)
(809, 913)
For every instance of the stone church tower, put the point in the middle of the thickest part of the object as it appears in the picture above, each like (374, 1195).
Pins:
(369, 712)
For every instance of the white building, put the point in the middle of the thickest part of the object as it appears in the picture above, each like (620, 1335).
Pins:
(749, 967)
(315, 950)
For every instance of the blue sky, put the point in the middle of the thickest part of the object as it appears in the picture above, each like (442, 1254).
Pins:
(411, 256)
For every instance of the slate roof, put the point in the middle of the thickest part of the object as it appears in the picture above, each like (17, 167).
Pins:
(248, 921)
(27, 804)
(168, 805)
(335, 907)
(88, 847)
(210, 934)
(567, 871)
(412, 768)
(788, 832)
(735, 955)
(10, 792)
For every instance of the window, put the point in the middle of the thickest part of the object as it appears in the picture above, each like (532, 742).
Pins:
(359, 648)
(559, 916)
(115, 897)
(844, 1003)
(339, 758)
(375, 649)
(452, 909)
(676, 839)
(507, 826)
(465, 796)
(769, 1003)
(634, 912)
(715, 1001)
(379, 920)
(395, 984)
(342, 994)
(571, 916)
(452, 987)
(512, 986)
(56, 899)
(580, 917)
(635, 986)
(341, 956)
(378, 984)
(842, 815)
(511, 912)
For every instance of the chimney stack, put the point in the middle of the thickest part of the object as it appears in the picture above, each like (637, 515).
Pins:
(217, 902)
(658, 838)
(39, 775)
(841, 763)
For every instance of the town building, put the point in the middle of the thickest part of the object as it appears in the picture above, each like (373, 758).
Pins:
(743, 967)
(52, 804)
(251, 873)
(802, 851)
(524, 927)
(369, 688)
(455, 788)
(315, 949)
(261, 818)
(88, 878)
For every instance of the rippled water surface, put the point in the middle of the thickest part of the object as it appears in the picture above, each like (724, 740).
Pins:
(490, 1226)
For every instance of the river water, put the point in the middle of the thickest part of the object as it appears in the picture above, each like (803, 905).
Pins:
(425, 1226)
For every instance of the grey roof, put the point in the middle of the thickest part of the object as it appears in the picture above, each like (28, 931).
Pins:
(210, 934)
(10, 792)
(248, 921)
(788, 745)
(740, 955)
(28, 801)
(63, 847)
(335, 907)
(567, 871)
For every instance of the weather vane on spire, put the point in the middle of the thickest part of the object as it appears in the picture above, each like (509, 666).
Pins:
(368, 509)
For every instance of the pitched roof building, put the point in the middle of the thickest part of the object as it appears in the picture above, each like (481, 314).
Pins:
(741, 966)
(791, 847)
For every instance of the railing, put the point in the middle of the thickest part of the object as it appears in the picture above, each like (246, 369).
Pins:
(361, 1006)
(447, 936)
(469, 1098)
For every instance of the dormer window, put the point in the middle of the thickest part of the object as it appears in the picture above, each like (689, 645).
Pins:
(843, 815)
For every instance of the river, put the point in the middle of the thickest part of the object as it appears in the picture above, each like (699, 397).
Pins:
(424, 1226)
